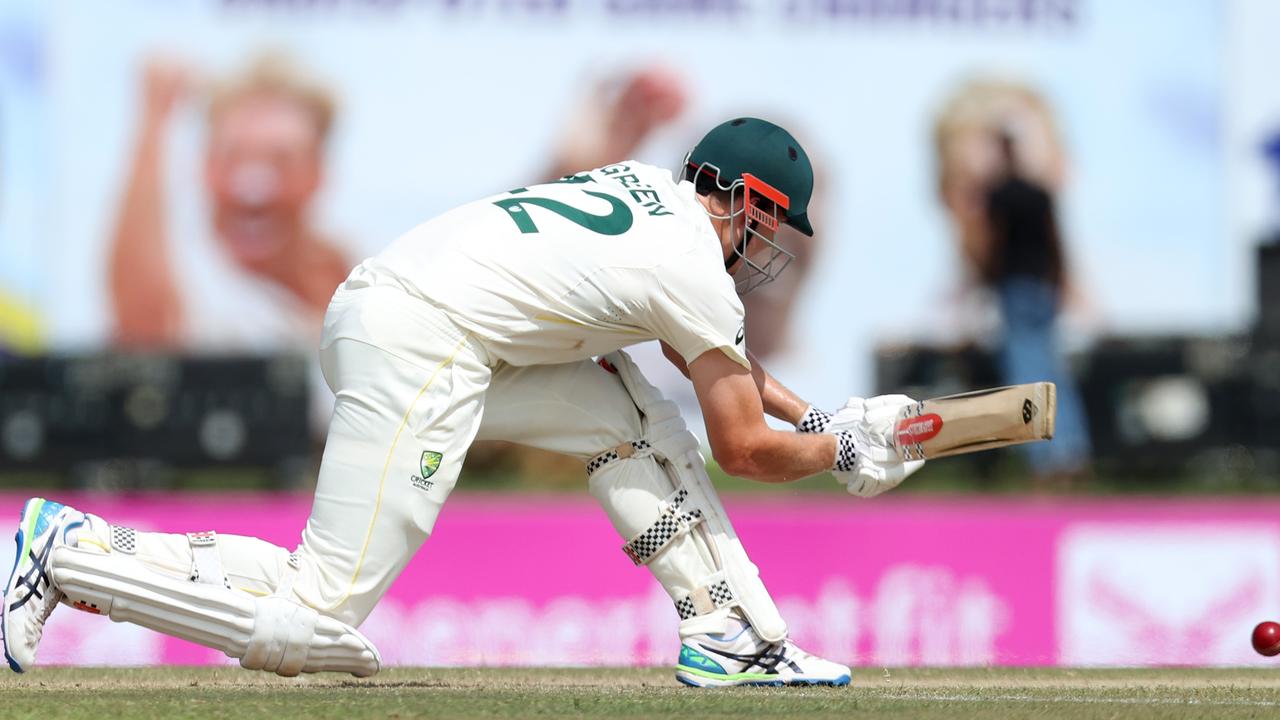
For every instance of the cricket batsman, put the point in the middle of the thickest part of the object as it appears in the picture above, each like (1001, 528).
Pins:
(483, 323)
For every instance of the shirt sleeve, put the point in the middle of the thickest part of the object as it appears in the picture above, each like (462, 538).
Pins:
(694, 315)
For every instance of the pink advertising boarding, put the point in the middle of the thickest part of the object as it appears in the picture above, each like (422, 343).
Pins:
(893, 581)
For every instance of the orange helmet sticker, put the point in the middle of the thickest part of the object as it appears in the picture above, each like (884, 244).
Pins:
(755, 185)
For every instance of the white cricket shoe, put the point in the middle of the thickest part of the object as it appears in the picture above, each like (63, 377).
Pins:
(29, 596)
(739, 657)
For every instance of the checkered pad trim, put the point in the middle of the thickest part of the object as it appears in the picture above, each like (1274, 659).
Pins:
(609, 456)
(721, 595)
(846, 452)
(644, 546)
(814, 421)
(601, 460)
(719, 592)
(684, 608)
(124, 540)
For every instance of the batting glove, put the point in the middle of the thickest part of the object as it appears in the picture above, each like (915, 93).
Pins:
(868, 425)
(821, 421)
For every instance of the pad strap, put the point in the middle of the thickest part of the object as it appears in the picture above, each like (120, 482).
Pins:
(288, 576)
(706, 600)
(206, 563)
(672, 522)
(622, 452)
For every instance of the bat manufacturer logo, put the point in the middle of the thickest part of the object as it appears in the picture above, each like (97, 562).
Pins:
(919, 429)
(1028, 411)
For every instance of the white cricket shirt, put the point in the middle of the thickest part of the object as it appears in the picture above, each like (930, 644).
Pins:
(569, 270)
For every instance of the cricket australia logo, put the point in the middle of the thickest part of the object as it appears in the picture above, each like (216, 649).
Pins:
(428, 466)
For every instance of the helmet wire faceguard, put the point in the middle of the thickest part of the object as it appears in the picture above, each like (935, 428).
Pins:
(772, 258)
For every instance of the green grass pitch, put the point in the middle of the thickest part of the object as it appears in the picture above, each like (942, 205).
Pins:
(46, 694)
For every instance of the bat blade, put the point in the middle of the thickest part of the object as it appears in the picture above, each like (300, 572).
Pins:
(973, 421)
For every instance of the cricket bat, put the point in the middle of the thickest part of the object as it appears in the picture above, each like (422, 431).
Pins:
(973, 421)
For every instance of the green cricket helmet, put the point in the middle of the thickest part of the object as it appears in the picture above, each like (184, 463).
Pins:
(763, 164)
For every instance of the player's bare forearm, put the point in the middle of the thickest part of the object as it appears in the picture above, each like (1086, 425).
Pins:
(777, 399)
(779, 456)
(740, 440)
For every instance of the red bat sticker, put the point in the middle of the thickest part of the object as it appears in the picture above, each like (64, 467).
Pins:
(918, 429)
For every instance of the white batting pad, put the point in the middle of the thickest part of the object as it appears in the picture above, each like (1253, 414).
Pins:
(264, 633)
(697, 557)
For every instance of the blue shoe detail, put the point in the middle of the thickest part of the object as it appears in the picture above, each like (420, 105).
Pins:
(29, 528)
(66, 530)
(681, 678)
(704, 663)
(47, 514)
(693, 679)
(695, 660)
(4, 606)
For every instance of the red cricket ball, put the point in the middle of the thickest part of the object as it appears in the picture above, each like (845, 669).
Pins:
(1266, 638)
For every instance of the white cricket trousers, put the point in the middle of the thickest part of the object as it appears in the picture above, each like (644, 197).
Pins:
(412, 390)
(411, 386)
